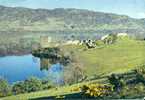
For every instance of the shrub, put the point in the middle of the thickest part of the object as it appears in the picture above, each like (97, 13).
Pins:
(5, 89)
(96, 90)
(18, 88)
(132, 90)
(73, 74)
(32, 84)
(140, 75)
(47, 86)
(116, 81)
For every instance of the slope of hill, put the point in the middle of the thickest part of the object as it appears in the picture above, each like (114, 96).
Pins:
(121, 58)
(24, 19)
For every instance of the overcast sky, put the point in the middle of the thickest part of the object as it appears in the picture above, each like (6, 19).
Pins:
(132, 8)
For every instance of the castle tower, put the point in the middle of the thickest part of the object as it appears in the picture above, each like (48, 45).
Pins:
(45, 41)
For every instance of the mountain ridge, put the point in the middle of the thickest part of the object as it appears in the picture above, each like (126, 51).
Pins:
(61, 19)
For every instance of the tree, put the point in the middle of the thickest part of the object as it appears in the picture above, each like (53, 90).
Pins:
(18, 88)
(73, 74)
(32, 84)
(5, 89)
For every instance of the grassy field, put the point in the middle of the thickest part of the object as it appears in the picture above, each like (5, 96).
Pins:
(125, 55)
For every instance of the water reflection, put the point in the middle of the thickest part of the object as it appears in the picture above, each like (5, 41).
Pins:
(44, 64)
(56, 74)
(53, 71)
(19, 68)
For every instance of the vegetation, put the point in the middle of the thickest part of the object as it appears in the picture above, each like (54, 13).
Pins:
(5, 89)
(92, 89)
(30, 85)
(120, 76)
(98, 69)
(96, 90)
(18, 88)
(122, 56)
(141, 74)
(98, 65)
(116, 82)
(68, 20)
(18, 45)
(53, 54)
(73, 73)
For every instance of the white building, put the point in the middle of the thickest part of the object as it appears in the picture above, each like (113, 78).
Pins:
(122, 34)
(104, 37)
(45, 41)
(70, 42)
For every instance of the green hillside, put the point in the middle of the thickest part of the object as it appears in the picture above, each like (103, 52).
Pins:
(119, 57)
(123, 56)
(69, 20)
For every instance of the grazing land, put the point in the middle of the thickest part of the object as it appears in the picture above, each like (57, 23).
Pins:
(124, 56)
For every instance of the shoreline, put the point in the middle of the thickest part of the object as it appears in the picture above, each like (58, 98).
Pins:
(15, 54)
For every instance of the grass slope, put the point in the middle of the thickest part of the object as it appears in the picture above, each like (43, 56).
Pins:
(126, 54)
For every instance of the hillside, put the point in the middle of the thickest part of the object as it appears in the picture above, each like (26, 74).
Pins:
(69, 20)
(121, 58)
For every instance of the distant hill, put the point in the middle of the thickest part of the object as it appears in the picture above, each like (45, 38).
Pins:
(73, 20)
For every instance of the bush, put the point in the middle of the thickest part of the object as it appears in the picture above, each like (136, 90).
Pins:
(116, 81)
(47, 86)
(140, 75)
(18, 88)
(29, 85)
(132, 91)
(5, 89)
(73, 74)
(96, 90)
(32, 84)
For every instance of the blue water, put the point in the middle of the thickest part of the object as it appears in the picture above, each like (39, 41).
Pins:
(19, 68)
(55, 73)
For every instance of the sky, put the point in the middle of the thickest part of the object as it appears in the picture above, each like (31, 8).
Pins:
(132, 8)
